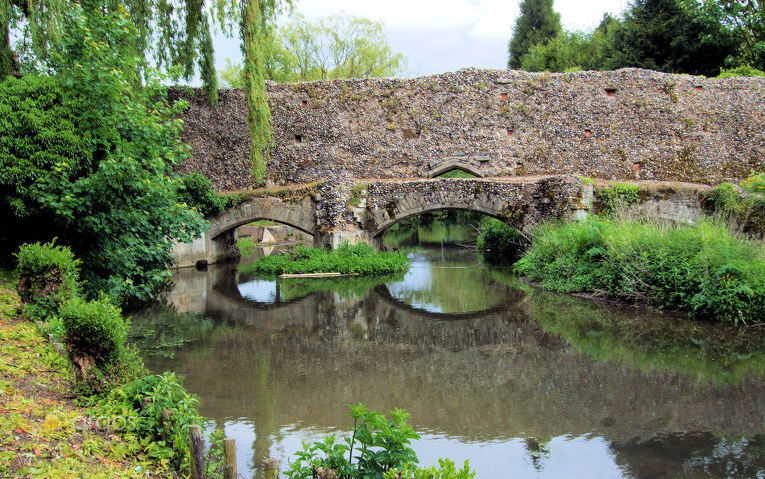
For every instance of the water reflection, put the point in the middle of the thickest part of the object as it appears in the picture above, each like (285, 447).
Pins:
(530, 385)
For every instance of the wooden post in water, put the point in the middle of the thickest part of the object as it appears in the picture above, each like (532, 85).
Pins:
(196, 452)
(271, 468)
(229, 450)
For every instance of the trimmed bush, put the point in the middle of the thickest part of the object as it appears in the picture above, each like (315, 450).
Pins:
(500, 243)
(48, 274)
(701, 269)
(95, 330)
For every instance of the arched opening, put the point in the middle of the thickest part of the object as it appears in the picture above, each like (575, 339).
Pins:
(449, 246)
(467, 169)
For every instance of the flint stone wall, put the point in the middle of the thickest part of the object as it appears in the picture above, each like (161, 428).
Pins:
(625, 124)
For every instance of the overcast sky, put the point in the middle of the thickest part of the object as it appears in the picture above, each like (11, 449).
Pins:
(444, 35)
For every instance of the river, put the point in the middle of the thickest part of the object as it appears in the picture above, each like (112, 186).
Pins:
(524, 383)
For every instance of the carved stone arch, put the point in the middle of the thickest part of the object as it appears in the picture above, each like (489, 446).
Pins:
(469, 164)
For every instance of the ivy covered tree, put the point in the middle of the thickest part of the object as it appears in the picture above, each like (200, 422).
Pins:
(537, 23)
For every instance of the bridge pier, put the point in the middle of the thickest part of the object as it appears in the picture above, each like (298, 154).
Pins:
(334, 239)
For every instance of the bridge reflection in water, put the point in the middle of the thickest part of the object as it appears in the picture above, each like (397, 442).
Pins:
(497, 386)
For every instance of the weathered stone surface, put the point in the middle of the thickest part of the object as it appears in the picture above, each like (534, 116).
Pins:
(493, 123)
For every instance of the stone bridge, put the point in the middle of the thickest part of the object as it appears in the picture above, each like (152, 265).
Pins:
(352, 157)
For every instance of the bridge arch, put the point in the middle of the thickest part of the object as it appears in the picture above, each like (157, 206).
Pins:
(520, 203)
(300, 215)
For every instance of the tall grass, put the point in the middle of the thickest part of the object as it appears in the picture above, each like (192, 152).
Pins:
(349, 259)
(701, 269)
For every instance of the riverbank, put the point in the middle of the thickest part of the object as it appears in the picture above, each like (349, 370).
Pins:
(700, 269)
(43, 430)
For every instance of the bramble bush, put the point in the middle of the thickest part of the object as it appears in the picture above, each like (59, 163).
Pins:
(701, 269)
(161, 410)
(743, 212)
(359, 258)
(48, 274)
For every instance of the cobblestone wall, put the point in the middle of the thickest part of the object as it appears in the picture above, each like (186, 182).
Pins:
(627, 124)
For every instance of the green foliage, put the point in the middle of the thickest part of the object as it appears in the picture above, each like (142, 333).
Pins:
(48, 274)
(381, 445)
(499, 242)
(94, 329)
(346, 258)
(673, 36)
(339, 46)
(616, 196)
(161, 411)
(456, 173)
(446, 469)
(746, 21)
(196, 190)
(746, 214)
(566, 52)
(176, 33)
(742, 71)
(537, 23)
(755, 183)
(701, 269)
(97, 153)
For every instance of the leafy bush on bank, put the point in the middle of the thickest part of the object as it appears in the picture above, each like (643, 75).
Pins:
(701, 269)
(744, 212)
(359, 258)
(110, 374)
(88, 155)
(500, 243)
(382, 449)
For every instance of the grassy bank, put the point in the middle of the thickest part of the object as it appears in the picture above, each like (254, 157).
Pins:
(700, 269)
(347, 259)
(92, 409)
(43, 431)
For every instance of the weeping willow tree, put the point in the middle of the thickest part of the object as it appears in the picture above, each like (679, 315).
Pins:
(254, 31)
(175, 34)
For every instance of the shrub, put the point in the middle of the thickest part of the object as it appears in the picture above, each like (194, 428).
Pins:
(48, 274)
(500, 243)
(159, 408)
(197, 191)
(90, 153)
(742, 71)
(616, 196)
(380, 444)
(701, 269)
(95, 330)
(745, 214)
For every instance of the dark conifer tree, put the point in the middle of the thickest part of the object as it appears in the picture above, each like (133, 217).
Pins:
(537, 23)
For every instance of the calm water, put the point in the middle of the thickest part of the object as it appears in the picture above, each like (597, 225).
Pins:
(525, 384)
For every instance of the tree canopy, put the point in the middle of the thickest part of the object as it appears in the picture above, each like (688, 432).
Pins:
(537, 23)
(339, 46)
(88, 158)
(676, 36)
